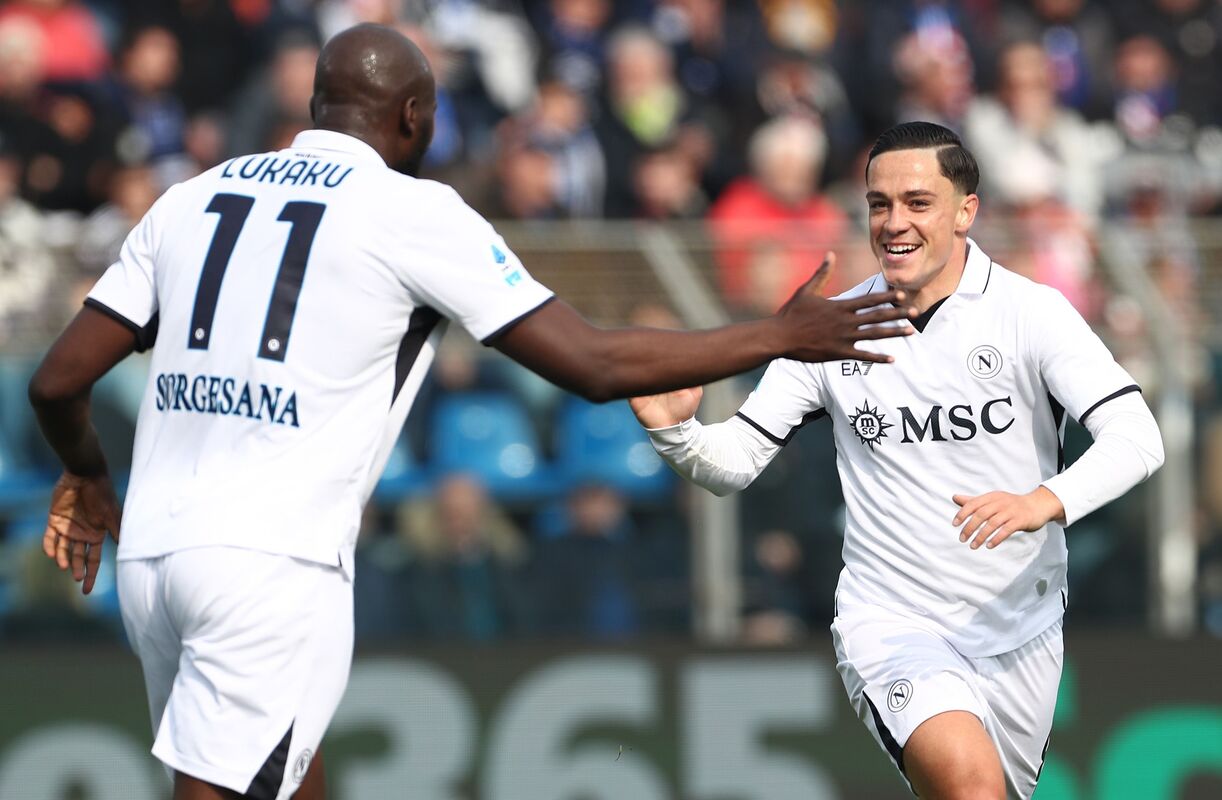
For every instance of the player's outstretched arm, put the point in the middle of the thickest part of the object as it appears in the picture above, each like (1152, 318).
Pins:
(599, 364)
(84, 507)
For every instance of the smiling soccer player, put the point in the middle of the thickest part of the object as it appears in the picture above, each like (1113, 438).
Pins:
(950, 652)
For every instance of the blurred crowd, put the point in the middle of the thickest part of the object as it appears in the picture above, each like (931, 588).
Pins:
(747, 119)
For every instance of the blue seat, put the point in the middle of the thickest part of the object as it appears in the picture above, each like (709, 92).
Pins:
(604, 443)
(403, 475)
(489, 435)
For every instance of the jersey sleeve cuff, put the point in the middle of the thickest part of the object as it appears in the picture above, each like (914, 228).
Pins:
(487, 340)
(145, 335)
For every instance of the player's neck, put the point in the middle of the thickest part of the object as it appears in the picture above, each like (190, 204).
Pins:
(943, 285)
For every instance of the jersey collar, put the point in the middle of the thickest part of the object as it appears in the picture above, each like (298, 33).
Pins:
(975, 277)
(976, 272)
(318, 139)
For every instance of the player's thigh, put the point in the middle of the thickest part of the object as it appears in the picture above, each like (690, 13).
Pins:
(267, 646)
(951, 756)
(1020, 688)
(899, 674)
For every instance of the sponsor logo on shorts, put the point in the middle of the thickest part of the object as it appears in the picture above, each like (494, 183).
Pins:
(302, 765)
(898, 695)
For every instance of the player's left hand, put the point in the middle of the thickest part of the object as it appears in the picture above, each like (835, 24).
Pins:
(993, 517)
(83, 511)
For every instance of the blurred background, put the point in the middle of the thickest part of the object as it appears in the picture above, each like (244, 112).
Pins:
(543, 611)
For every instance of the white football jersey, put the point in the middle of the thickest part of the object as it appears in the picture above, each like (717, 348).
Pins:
(296, 299)
(974, 402)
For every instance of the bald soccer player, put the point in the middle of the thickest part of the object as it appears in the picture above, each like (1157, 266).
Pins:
(293, 302)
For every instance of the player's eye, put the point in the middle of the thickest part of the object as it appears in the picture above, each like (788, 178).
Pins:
(878, 205)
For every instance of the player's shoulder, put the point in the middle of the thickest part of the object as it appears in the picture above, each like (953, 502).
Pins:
(1007, 286)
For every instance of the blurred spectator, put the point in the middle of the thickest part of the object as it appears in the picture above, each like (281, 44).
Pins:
(666, 186)
(65, 149)
(584, 577)
(1078, 37)
(466, 581)
(773, 227)
(156, 132)
(803, 26)
(133, 190)
(1146, 93)
(1029, 146)
(557, 124)
(793, 83)
(217, 45)
(775, 591)
(492, 72)
(276, 99)
(27, 269)
(574, 35)
(934, 68)
(1189, 30)
(643, 107)
(71, 46)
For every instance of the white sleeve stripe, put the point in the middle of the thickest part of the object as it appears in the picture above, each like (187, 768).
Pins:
(505, 328)
(811, 417)
(1118, 393)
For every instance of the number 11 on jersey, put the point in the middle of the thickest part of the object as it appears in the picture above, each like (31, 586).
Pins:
(233, 209)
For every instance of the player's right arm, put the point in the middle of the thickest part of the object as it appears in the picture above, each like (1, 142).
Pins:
(722, 458)
(599, 364)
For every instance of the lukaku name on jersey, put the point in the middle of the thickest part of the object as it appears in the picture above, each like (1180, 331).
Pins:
(304, 171)
(215, 394)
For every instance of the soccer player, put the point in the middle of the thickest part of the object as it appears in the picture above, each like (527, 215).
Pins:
(293, 301)
(948, 610)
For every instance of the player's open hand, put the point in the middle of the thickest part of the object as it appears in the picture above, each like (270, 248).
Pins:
(83, 511)
(993, 517)
(829, 330)
(664, 410)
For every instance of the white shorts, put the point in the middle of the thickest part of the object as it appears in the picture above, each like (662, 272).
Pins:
(899, 673)
(245, 654)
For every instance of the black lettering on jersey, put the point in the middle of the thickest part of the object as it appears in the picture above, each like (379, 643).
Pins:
(226, 404)
(295, 171)
(326, 181)
(214, 394)
(932, 425)
(316, 169)
(290, 409)
(253, 172)
(267, 401)
(274, 168)
(986, 418)
(850, 368)
(962, 421)
(244, 402)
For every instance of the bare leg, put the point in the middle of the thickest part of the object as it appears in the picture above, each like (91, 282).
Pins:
(951, 757)
(188, 788)
(314, 787)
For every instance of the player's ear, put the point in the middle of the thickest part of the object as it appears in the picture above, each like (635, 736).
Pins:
(967, 213)
(409, 121)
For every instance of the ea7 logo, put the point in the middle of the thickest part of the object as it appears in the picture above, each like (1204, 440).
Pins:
(960, 420)
(850, 368)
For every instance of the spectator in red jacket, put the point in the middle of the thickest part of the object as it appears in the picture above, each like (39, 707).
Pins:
(773, 227)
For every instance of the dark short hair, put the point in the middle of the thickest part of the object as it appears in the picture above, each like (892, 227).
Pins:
(957, 164)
